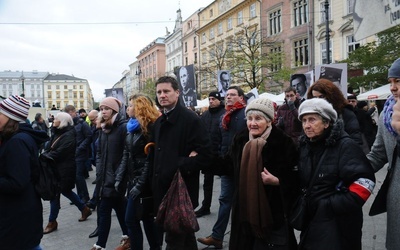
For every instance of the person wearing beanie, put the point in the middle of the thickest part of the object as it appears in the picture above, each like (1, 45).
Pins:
(232, 122)
(337, 177)
(211, 119)
(264, 161)
(384, 151)
(110, 187)
(352, 99)
(287, 115)
(21, 207)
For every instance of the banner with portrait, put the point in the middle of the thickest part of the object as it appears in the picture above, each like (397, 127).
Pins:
(187, 85)
(336, 73)
(224, 81)
(301, 82)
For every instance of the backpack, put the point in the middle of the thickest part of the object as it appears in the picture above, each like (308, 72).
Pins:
(48, 181)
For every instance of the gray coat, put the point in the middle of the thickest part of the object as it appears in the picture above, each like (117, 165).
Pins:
(381, 153)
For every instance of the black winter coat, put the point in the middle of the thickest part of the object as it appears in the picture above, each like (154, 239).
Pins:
(176, 135)
(280, 157)
(351, 125)
(335, 213)
(21, 212)
(63, 153)
(108, 159)
(134, 163)
(83, 139)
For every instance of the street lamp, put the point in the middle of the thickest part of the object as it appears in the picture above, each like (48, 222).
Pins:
(138, 73)
(327, 31)
(22, 78)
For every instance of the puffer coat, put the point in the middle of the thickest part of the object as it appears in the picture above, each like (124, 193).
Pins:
(334, 207)
(108, 159)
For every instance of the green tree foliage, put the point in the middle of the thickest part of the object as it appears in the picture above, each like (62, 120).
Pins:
(375, 58)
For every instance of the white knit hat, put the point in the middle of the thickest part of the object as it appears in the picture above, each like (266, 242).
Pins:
(318, 106)
(264, 105)
(15, 107)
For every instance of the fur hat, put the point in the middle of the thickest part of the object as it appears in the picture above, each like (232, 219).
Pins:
(112, 103)
(394, 70)
(318, 106)
(15, 107)
(264, 105)
(215, 94)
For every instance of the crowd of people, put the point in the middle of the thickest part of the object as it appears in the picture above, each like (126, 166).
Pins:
(320, 152)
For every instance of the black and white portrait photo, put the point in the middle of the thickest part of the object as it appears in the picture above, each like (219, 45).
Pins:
(224, 81)
(187, 84)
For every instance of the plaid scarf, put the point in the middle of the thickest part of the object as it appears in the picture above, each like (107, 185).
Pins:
(229, 110)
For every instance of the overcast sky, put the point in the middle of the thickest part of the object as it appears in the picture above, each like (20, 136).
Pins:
(55, 35)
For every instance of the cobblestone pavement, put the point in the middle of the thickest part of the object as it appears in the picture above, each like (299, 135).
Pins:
(73, 235)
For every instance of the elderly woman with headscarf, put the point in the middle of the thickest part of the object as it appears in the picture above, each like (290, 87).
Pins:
(264, 160)
(383, 151)
(341, 176)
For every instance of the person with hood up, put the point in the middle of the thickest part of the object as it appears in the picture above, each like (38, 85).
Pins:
(21, 207)
(110, 192)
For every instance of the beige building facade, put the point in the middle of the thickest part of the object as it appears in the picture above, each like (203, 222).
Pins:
(62, 90)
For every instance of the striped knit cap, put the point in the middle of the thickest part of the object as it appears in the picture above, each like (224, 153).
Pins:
(15, 107)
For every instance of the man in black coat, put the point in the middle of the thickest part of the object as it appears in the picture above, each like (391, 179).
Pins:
(211, 119)
(181, 142)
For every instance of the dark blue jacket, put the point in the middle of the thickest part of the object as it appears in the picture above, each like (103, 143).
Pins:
(21, 212)
(83, 139)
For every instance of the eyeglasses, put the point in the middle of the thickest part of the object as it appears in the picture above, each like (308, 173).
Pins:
(291, 95)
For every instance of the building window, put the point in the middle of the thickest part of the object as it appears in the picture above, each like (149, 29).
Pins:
(57, 86)
(65, 86)
(48, 86)
(38, 93)
(351, 44)
(322, 11)
(300, 13)
(186, 60)
(204, 57)
(80, 94)
(220, 28)
(275, 25)
(49, 94)
(240, 18)
(253, 10)
(300, 49)
(195, 57)
(185, 46)
(80, 86)
(194, 42)
(350, 6)
(276, 62)
(229, 23)
(212, 33)
(189, 24)
(203, 38)
(324, 58)
(211, 12)
(81, 104)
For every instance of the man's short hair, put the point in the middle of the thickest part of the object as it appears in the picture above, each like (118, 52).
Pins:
(238, 89)
(37, 116)
(168, 79)
(290, 89)
(302, 76)
(69, 108)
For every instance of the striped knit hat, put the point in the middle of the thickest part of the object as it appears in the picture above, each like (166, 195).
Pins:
(15, 107)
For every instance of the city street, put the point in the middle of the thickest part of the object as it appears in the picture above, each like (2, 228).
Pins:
(73, 235)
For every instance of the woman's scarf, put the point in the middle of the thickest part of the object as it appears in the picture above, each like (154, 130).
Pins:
(132, 125)
(387, 114)
(107, 125)
(255, 208)
(229, 110)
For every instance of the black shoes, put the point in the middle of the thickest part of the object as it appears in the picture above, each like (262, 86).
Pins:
(202, 211)
(95, 233)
